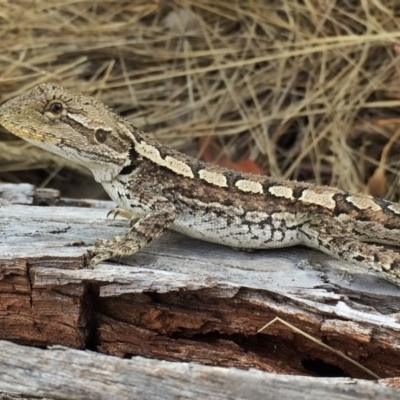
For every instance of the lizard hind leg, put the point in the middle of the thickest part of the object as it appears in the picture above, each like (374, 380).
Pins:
(336, 239)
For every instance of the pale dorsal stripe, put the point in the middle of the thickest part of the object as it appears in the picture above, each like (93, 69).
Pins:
(324, 199)
(363, 203)
(153, 154)
(249, 186)
(214, 178)
(178, 166)
(281, 191)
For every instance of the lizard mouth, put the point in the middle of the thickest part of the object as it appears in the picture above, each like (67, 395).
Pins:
(15, 121)
(28, 133)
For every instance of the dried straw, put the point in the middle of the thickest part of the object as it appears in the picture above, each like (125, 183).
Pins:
(307, 89)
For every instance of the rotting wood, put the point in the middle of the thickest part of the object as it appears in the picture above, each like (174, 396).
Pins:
(185, 300)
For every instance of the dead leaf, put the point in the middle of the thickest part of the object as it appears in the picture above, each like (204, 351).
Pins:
(213, 153)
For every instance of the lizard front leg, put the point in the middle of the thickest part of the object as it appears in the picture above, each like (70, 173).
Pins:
(158, 214)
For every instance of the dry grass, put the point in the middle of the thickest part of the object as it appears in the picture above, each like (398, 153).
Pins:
(307, 89)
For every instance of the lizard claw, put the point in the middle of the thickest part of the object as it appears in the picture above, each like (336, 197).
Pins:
(99, 253)
(119, 211)
(98, 259)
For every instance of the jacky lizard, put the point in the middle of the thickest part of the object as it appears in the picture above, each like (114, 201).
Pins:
(160, 188)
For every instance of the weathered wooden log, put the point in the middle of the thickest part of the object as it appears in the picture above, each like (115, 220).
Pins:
(61, 373)
(181, 299)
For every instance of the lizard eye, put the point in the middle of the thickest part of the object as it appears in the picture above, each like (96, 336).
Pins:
(101, 135)
(56, 108)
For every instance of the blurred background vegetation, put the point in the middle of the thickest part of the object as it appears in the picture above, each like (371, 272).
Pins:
(299, 89)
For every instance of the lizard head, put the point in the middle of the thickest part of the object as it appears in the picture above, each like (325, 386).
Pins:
(76, 127)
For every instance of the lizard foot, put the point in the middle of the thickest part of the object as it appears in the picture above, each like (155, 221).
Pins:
(118, 247)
